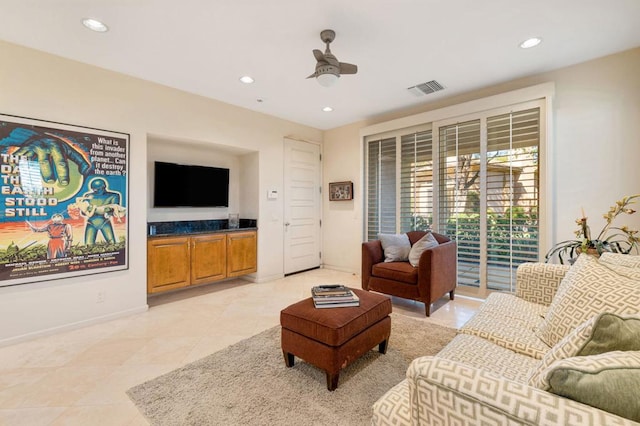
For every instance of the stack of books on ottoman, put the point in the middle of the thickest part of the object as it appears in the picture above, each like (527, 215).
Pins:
(334, 296)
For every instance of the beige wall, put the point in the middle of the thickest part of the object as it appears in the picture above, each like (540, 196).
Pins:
(39, 85)
(594, 158)
(342, 220)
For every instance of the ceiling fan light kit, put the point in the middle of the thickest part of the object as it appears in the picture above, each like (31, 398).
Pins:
(327, 79)
(328, 68)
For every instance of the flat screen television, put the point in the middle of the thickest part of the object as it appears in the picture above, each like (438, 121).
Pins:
(179, 185)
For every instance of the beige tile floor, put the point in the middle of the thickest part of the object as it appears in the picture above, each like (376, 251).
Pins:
(80, 377)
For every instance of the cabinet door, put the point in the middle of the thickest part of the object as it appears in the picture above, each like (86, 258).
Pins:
(167, 264)
(208, 254)
(242, 251)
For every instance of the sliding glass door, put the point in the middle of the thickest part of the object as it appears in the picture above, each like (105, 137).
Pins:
(512, 191)
(474, 179)
(460, 193)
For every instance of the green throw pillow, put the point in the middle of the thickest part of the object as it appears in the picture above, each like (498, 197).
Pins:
(608, 381)
(603, 333)
(613, 333)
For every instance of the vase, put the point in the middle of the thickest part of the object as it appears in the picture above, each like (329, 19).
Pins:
(234, 220)
(590, 251)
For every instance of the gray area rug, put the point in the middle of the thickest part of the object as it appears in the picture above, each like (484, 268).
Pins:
(248, 383)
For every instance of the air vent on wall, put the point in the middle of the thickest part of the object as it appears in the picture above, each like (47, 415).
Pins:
(425, 88)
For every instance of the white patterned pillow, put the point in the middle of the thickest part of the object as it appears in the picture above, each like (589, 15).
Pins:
(603, 333)
(424, 243)
(608, 381)
(626, 265)
(621, 259)
(396, 247)
(589, 288)
(396, 254)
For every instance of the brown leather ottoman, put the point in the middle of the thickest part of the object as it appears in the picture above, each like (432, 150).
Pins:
(333, 338)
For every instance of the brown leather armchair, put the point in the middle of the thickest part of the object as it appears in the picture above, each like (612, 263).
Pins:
(435, 275)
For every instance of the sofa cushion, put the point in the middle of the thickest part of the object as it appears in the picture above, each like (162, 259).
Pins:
(481, 353)
(589, 288)
(538, 282)
(394, 245)
(397, 271)
(509, 321)
(603, 333)
(445, 392)
(607, 381)
(424, 243)
(625, 260)
(393, 408)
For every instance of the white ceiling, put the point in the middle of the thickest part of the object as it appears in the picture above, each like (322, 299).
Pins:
(204, 46)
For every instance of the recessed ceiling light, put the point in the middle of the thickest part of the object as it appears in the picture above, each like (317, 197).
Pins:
(95, 25)
(530, 42)
(327, 109)
(246, 79)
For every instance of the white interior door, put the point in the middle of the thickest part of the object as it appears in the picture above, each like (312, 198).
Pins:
(301, 206)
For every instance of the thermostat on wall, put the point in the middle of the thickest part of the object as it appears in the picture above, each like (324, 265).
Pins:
(272, 194)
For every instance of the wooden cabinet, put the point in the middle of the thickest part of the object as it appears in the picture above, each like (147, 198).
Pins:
(176, 262)
(168, 263)
(242, 248)
(208, 254)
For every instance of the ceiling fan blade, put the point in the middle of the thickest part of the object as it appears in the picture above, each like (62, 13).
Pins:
(318, 55)
(314, 75)
(348, 68)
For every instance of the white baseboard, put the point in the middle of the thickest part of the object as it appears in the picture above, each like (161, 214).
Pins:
(73, 326)
(264, 278)
(340, 268)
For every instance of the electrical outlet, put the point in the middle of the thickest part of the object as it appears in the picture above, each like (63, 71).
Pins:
(101, 297)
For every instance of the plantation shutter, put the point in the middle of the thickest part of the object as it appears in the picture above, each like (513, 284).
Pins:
(513, 142)
(381, 187)
(479, 185)
(459, 195)
(416, 181)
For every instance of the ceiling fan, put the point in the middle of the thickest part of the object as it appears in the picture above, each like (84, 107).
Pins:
(328, 69)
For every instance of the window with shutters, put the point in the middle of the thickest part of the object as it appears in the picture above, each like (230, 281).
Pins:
(416, 181)
(381, 187)
(513, 143)
(459, 195)
(474, 179)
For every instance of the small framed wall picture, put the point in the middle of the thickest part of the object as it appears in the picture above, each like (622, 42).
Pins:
(341, 191)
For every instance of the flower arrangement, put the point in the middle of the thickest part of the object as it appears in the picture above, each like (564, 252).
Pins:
(610, 239)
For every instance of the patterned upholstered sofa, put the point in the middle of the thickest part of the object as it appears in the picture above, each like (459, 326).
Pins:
(498, 368)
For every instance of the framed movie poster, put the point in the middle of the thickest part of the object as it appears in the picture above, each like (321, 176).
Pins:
(63, 200)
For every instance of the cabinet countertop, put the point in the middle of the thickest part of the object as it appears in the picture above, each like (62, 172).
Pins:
(187, 234)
